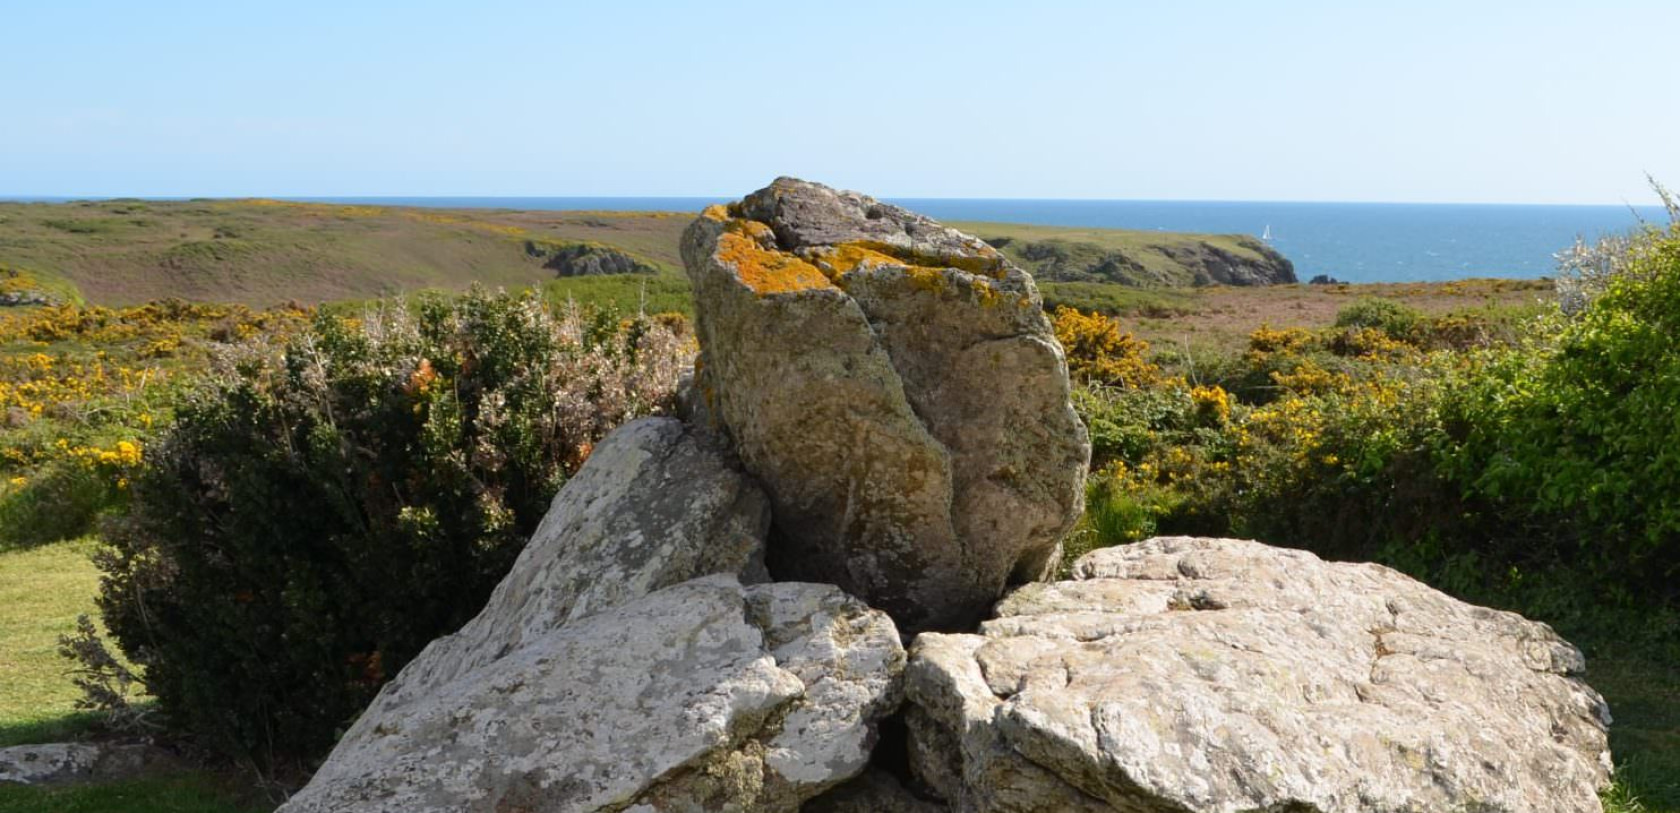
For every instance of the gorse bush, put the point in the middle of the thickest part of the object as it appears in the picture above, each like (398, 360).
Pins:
(1099, 352)
(315, 517)
(1531, 463)
(81, 389)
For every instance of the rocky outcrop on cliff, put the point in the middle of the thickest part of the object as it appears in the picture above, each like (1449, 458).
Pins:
(584, 259)
(896, 387)
(1144, 259)
(1256, 264)
(1220, 675)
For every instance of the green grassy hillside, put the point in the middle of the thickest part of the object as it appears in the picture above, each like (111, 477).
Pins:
(264, 252)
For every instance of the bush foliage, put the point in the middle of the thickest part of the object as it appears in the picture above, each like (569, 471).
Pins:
(1530, 463)
(314, 517)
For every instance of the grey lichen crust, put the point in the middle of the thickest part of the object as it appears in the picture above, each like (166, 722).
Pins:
(1221, 676)
(896, 386)
(705, 696)
(653, 506)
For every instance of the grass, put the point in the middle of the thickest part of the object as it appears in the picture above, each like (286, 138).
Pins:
(42, 590)
(184, 793)
(627, 293)
(1220, 318)
(260, 252)
(263, 252)
(1644, 699)
(1121, 300)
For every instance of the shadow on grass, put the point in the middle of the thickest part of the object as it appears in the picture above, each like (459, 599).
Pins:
(57, 728)
(182, 793)
(1644, 701)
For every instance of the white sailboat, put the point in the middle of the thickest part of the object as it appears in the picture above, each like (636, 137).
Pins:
(1267, 234)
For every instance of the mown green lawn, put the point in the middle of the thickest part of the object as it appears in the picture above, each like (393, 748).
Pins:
(42, 590)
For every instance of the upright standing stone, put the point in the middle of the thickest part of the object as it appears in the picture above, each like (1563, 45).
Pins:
(896, 387)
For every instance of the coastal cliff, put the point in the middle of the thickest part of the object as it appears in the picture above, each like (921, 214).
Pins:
(1138, 258)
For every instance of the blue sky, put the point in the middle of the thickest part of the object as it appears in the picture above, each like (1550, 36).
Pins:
(1528, 102)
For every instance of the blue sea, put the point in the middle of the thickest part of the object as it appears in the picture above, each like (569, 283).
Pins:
(1353, 242)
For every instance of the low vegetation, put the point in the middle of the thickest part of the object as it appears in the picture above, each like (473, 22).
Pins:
(266, 252)
(1526, 463)
(313, 518)
(252, 476)
(82, 386)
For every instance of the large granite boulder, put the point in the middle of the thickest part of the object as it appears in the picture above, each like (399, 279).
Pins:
(896, 387)
(1220, 675)
(705, 696)
(653, 506)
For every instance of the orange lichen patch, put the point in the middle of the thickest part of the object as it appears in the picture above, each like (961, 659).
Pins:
(766, 270)
(847, 257)
(716, 211)
(989, 263)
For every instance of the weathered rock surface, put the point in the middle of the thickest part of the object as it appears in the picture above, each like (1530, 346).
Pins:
(896, 387)
(1212, 265)
(585, 259)
(1220, 675)
(705, 696)
(653, 506)
(78, 762)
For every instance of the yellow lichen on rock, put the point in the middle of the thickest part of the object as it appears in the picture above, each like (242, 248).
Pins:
(766, 270)
(847, 257)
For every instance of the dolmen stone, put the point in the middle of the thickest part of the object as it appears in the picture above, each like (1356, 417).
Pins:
(1217, 676)
(610, 672)
(896, 387)
(704, 696)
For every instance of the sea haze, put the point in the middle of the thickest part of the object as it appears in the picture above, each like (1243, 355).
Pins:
(1353, 242)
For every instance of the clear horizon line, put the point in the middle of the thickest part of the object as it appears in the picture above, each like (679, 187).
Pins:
(60, 198)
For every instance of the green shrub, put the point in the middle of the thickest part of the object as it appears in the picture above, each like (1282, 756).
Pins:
(1399, 321)
(1585, 430)
(1125, 424)
(314, 518)
(63, 501)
